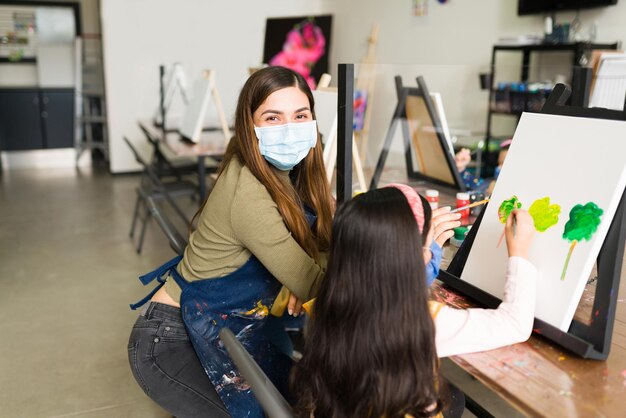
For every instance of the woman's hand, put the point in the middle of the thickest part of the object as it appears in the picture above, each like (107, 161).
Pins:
(519, 230)
(294, 307)
(441, 226)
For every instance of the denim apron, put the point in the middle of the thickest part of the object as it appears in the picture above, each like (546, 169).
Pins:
(240, 301)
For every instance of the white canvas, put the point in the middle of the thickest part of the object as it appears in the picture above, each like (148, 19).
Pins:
(572, 161)
(175, 80)
(438, 102)
(193, 118)
(326, 113)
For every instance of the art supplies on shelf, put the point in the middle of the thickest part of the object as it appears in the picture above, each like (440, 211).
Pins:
(516, 98)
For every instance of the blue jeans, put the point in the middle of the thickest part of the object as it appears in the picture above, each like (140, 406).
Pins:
(166, 366)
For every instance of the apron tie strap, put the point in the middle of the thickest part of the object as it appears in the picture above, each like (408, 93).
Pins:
(159, 275)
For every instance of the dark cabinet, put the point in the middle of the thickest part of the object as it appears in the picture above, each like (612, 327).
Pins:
(36, 118)
(58, 117)
(20, 120)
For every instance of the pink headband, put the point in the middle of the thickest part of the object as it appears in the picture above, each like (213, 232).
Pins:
(415, 202)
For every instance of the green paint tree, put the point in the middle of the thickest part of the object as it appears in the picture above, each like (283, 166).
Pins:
(544, 214)
(583, 223)
(505, 210)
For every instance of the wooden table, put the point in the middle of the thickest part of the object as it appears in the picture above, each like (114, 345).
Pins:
(538, 378)
(211, 145)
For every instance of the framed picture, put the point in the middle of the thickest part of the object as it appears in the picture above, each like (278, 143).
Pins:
(299, 43)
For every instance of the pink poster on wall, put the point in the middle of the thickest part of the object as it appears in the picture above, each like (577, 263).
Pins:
(299, 43)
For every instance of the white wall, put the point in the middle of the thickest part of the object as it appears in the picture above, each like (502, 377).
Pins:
(449, 46)
(139, 35)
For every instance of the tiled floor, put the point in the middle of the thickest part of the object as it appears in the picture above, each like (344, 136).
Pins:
(67, 273)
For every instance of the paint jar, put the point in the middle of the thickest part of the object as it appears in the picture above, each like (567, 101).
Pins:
(459, 236)
(463, 199)
(433, 198)
(450, 250)
(476, 197)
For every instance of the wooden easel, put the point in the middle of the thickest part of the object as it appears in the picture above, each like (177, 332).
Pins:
(413, 101)
(199, 105)
(366, 81)
(176, 81)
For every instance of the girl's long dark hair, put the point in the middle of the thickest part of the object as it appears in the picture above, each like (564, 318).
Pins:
(370, 346)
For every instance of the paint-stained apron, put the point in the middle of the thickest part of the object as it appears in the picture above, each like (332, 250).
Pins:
(240, 301)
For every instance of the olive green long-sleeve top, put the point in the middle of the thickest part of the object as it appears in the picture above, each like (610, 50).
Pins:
(240, 219)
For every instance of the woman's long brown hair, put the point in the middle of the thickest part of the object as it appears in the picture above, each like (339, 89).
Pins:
(309, 187)
(370, 345)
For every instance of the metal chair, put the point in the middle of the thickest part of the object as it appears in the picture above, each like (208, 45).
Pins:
(174, 237)
(151, 188)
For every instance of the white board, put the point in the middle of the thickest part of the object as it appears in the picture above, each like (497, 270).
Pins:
(326, 112)
(191, 126)
(175, 80)
(438, 102)
(572, 161)
(609, 90)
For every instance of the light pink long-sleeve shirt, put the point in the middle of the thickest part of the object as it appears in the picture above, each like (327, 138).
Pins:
(463, 331)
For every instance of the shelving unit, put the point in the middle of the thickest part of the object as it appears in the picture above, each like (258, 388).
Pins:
(91, 120)
(578, 50)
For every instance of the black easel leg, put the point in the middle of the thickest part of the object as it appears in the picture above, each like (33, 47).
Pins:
(380, 165)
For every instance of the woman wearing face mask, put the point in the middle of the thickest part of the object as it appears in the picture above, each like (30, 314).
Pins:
(263, 226)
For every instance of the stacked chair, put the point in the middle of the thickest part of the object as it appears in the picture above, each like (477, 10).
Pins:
(157, 190)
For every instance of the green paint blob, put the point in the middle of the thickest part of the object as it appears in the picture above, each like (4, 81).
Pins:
(507, 207)
(544, 214)
(583, 222)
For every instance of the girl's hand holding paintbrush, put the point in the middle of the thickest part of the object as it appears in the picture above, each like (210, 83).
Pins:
(519, 232)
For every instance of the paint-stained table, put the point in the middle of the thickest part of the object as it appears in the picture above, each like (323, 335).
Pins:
(540, 379)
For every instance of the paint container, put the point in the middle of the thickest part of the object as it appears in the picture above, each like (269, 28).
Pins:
(476, 197)
(463, 199)
(450, 250)
(433, 198)
(459, 236)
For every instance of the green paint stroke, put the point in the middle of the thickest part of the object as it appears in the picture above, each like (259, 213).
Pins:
(505, 210)
(507, 207)
(583, 223)
(544, 214)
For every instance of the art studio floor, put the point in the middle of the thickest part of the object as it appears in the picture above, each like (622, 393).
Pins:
(67, 274)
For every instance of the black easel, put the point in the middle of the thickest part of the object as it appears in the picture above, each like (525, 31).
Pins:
(588, 341)
(345, 109)
(162, 100)
(399, 115)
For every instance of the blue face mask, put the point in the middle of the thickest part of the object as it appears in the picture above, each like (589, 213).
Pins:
(432, 268)
(284, 146)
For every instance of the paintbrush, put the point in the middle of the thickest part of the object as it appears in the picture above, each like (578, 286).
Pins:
(482, 202)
